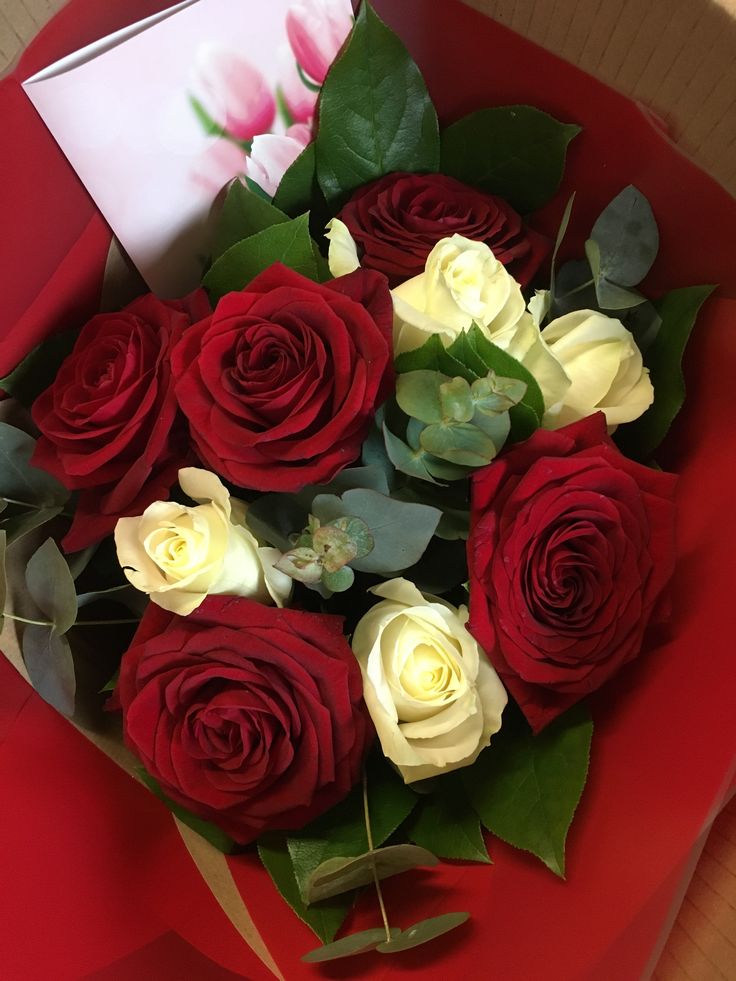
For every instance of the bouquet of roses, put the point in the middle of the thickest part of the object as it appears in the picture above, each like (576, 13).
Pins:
(364, 519)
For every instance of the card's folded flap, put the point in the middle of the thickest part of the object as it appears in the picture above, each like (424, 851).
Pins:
(96, 48)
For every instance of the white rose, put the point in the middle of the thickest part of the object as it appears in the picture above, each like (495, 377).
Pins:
(433, 696)
(462, 283)
(604, 366)
(179, 554)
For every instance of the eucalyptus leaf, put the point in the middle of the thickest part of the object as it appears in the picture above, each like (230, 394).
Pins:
(423, 932)
(505, 366)
(48, 660)
(610, 295)
(3, 575)
(401, 531)
(338, 874)
(409, 461)
(294, 194)
(418, 395)
(354, 943)
(525, 787)
(679, 311)
(461, 443)
(19, 481)
(51, 586)
(627, 237)
(287, 242)
(18, 525)
(375, 114)
(243, 214)
(516, 152)
(340, 580)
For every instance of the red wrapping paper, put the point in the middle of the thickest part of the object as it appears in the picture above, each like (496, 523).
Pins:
(96, 882)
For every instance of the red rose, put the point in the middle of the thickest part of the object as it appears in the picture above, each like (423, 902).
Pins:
(396, 222)
(571, 546)
(108, 422)
(249, 716)
(281, 383)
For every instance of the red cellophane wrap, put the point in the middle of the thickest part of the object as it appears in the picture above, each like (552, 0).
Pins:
(96, 882)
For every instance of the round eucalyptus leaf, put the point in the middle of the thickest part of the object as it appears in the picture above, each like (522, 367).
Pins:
(338, 875)
(355, 943)
(423, 932)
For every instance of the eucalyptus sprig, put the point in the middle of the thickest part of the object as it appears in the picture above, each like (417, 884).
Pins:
(379, 863)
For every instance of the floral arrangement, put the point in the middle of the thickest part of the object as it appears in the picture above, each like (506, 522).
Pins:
(372, 511)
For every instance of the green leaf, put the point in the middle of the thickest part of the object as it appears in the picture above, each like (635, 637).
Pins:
(338, 875)
(527, 415)
(354, 943)
(294, 194)
(243, 214)
(209, 831)
(341, 832)
(561, 232)
(628, 238)
(516, 152)
(423, 932)
(37, 370)
(445, 824)
(433, 356)
(287, 242)
(51, 586)
(401, 531)
(19, 481)
(525, 788)
(678, 310)
(375, 114)
(48, 660)
(18, 525)
(463, 351)
(324, 919)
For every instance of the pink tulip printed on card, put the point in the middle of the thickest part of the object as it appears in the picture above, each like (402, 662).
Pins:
(157, 118)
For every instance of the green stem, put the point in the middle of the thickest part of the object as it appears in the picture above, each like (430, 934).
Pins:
(79, 623)
(376, 880)
(578, 289)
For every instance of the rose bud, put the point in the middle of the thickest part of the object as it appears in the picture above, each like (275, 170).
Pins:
(234, 93)
(317, 30)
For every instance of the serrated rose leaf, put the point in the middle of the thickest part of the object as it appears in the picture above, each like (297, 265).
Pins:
(525, 788)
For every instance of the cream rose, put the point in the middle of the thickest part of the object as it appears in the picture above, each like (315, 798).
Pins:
(433, 696)
(605, 368)
(462, 283)
(179, 554)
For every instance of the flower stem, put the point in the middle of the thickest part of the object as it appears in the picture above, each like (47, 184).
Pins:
(577, 289)
(79, 623)
(376, 880)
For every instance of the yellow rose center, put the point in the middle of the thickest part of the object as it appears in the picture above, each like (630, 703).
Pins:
(430, 674)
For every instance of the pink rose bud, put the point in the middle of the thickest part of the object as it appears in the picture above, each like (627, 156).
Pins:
(316, 30)
(300, 101)
(233, 92)
(271, 156)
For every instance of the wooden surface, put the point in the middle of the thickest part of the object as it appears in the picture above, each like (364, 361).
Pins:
(678, 57)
